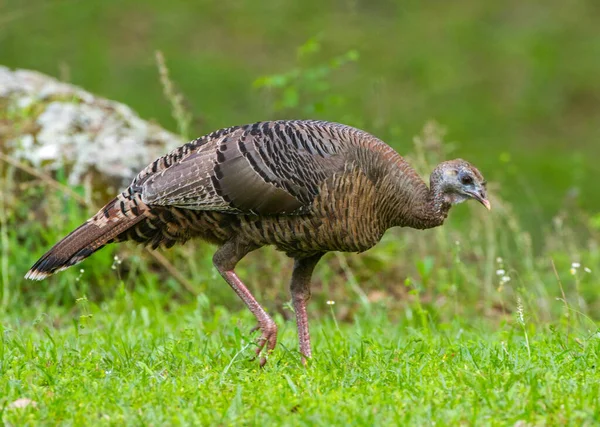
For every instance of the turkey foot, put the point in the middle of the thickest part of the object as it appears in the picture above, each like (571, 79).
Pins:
(268, 340)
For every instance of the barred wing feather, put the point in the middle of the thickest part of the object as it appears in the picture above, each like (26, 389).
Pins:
(266, 168)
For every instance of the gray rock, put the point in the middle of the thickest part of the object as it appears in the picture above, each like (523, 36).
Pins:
(52, 124)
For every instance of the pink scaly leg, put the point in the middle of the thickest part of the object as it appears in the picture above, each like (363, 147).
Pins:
(300, 289)
(225, 260)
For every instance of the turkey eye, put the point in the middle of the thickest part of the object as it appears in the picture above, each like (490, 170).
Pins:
(466, 179)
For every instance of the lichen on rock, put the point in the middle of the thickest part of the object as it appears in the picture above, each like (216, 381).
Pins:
(55, 125)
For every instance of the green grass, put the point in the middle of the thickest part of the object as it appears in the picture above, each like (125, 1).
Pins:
(128, 361)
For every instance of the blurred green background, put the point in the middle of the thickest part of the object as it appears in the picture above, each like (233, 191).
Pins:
(494, 314)
(517, 84)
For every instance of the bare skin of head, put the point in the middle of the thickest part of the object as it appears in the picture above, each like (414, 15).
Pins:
(459, 181)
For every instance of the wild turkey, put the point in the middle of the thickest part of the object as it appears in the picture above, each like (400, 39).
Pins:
(306, 187)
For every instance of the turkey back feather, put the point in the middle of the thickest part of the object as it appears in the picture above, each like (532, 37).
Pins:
(266, 168)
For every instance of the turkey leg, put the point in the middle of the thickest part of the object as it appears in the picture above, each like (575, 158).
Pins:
(225, 260)
(300, 289)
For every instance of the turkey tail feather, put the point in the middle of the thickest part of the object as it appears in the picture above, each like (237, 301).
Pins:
(120, 214)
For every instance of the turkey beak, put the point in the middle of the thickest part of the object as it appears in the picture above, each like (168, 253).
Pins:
(480, 197)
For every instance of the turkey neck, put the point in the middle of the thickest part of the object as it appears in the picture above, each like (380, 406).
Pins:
(432, 211)
(415, 204)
